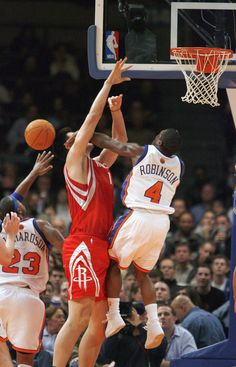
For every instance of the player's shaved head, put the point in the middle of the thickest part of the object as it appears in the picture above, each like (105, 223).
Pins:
(169, 141)
(7, 205)
(58, 146)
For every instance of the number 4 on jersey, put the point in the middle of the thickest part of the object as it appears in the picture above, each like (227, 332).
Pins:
(154, 192)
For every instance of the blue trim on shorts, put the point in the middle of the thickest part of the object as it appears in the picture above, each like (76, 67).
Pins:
(116, 226)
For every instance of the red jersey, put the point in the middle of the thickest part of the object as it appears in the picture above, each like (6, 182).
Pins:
(91, 205)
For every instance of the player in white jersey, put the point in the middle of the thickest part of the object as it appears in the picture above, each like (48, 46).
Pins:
(21, 310)
(11, 227)
(138, 236)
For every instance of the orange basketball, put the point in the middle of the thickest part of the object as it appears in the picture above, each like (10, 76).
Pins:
(40, 134)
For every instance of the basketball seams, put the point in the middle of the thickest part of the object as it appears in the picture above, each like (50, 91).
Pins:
(41, 136)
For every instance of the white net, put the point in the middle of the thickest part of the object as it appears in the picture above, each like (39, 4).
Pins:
(202, 69)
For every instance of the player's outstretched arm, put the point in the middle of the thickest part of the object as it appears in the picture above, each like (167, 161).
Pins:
(119, 132)
(41, 166)
(124, 149)
(11, 225)
(86, 131)
(53, 236)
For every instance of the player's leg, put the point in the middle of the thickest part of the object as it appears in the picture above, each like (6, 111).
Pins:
(155, 333)
(77, 321)
(94, 335)
(121, 250)
(5, 358)
(114, 283)
(24, 359)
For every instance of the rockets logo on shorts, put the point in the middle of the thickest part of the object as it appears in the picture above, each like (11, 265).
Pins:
(81, 269)
(112, 46)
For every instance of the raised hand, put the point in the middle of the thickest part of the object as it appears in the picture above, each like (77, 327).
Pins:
(42, 164)
(11, 224)
(115, 102)
(115, 76)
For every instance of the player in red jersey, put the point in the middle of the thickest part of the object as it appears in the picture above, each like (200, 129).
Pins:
(85, 251)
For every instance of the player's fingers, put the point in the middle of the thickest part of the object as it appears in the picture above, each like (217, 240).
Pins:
(48, 159)
(126, 68)
(126, 79)
(46, 170)
(124, 61)
(43, 154)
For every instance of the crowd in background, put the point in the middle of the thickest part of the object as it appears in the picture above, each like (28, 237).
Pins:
(194, 265)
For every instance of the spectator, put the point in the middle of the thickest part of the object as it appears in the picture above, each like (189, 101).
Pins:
(55, 319)
(64, 297)
(192, 294)
(44, 190)
(56, 277)
(126, 348)
(167, 268)
(205, 327)
(183, 267)
(207, 196)
(64, 63)
(205, 253)
(15, 136)
(180, 341)
(135, 293)
(155, 275)
(222, 238)
(211, 297)
(47, 294)
(129, 282)
(218, 207)
(185, 233)
(220, 269)
(162, 292)
(62, 208)
(206, 250)
(222, 313)
(206, 228)
(180, 207)
(59, 224)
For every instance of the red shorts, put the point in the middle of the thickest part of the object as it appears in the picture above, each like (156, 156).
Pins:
(85, 260)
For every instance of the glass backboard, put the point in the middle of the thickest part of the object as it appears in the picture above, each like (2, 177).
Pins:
(144, 31)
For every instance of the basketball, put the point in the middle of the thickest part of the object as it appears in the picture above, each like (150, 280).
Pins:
(40, 134)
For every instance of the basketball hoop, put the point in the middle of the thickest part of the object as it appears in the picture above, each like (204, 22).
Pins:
(202, 68)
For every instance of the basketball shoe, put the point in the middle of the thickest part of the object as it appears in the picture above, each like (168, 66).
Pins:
(114, 324)
(155, 334)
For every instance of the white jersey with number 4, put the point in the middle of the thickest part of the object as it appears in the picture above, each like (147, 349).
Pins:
(29, 265)
(152, 182)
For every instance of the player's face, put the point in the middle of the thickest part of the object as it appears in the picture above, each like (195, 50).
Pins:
(21, 210)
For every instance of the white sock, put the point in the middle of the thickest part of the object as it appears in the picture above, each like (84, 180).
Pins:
(114, 305)
(151, 311)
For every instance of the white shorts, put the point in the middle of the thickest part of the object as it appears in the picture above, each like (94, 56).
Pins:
(22, 315)
(137, 237)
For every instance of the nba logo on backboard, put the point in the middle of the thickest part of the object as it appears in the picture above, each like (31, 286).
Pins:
(112, 46)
